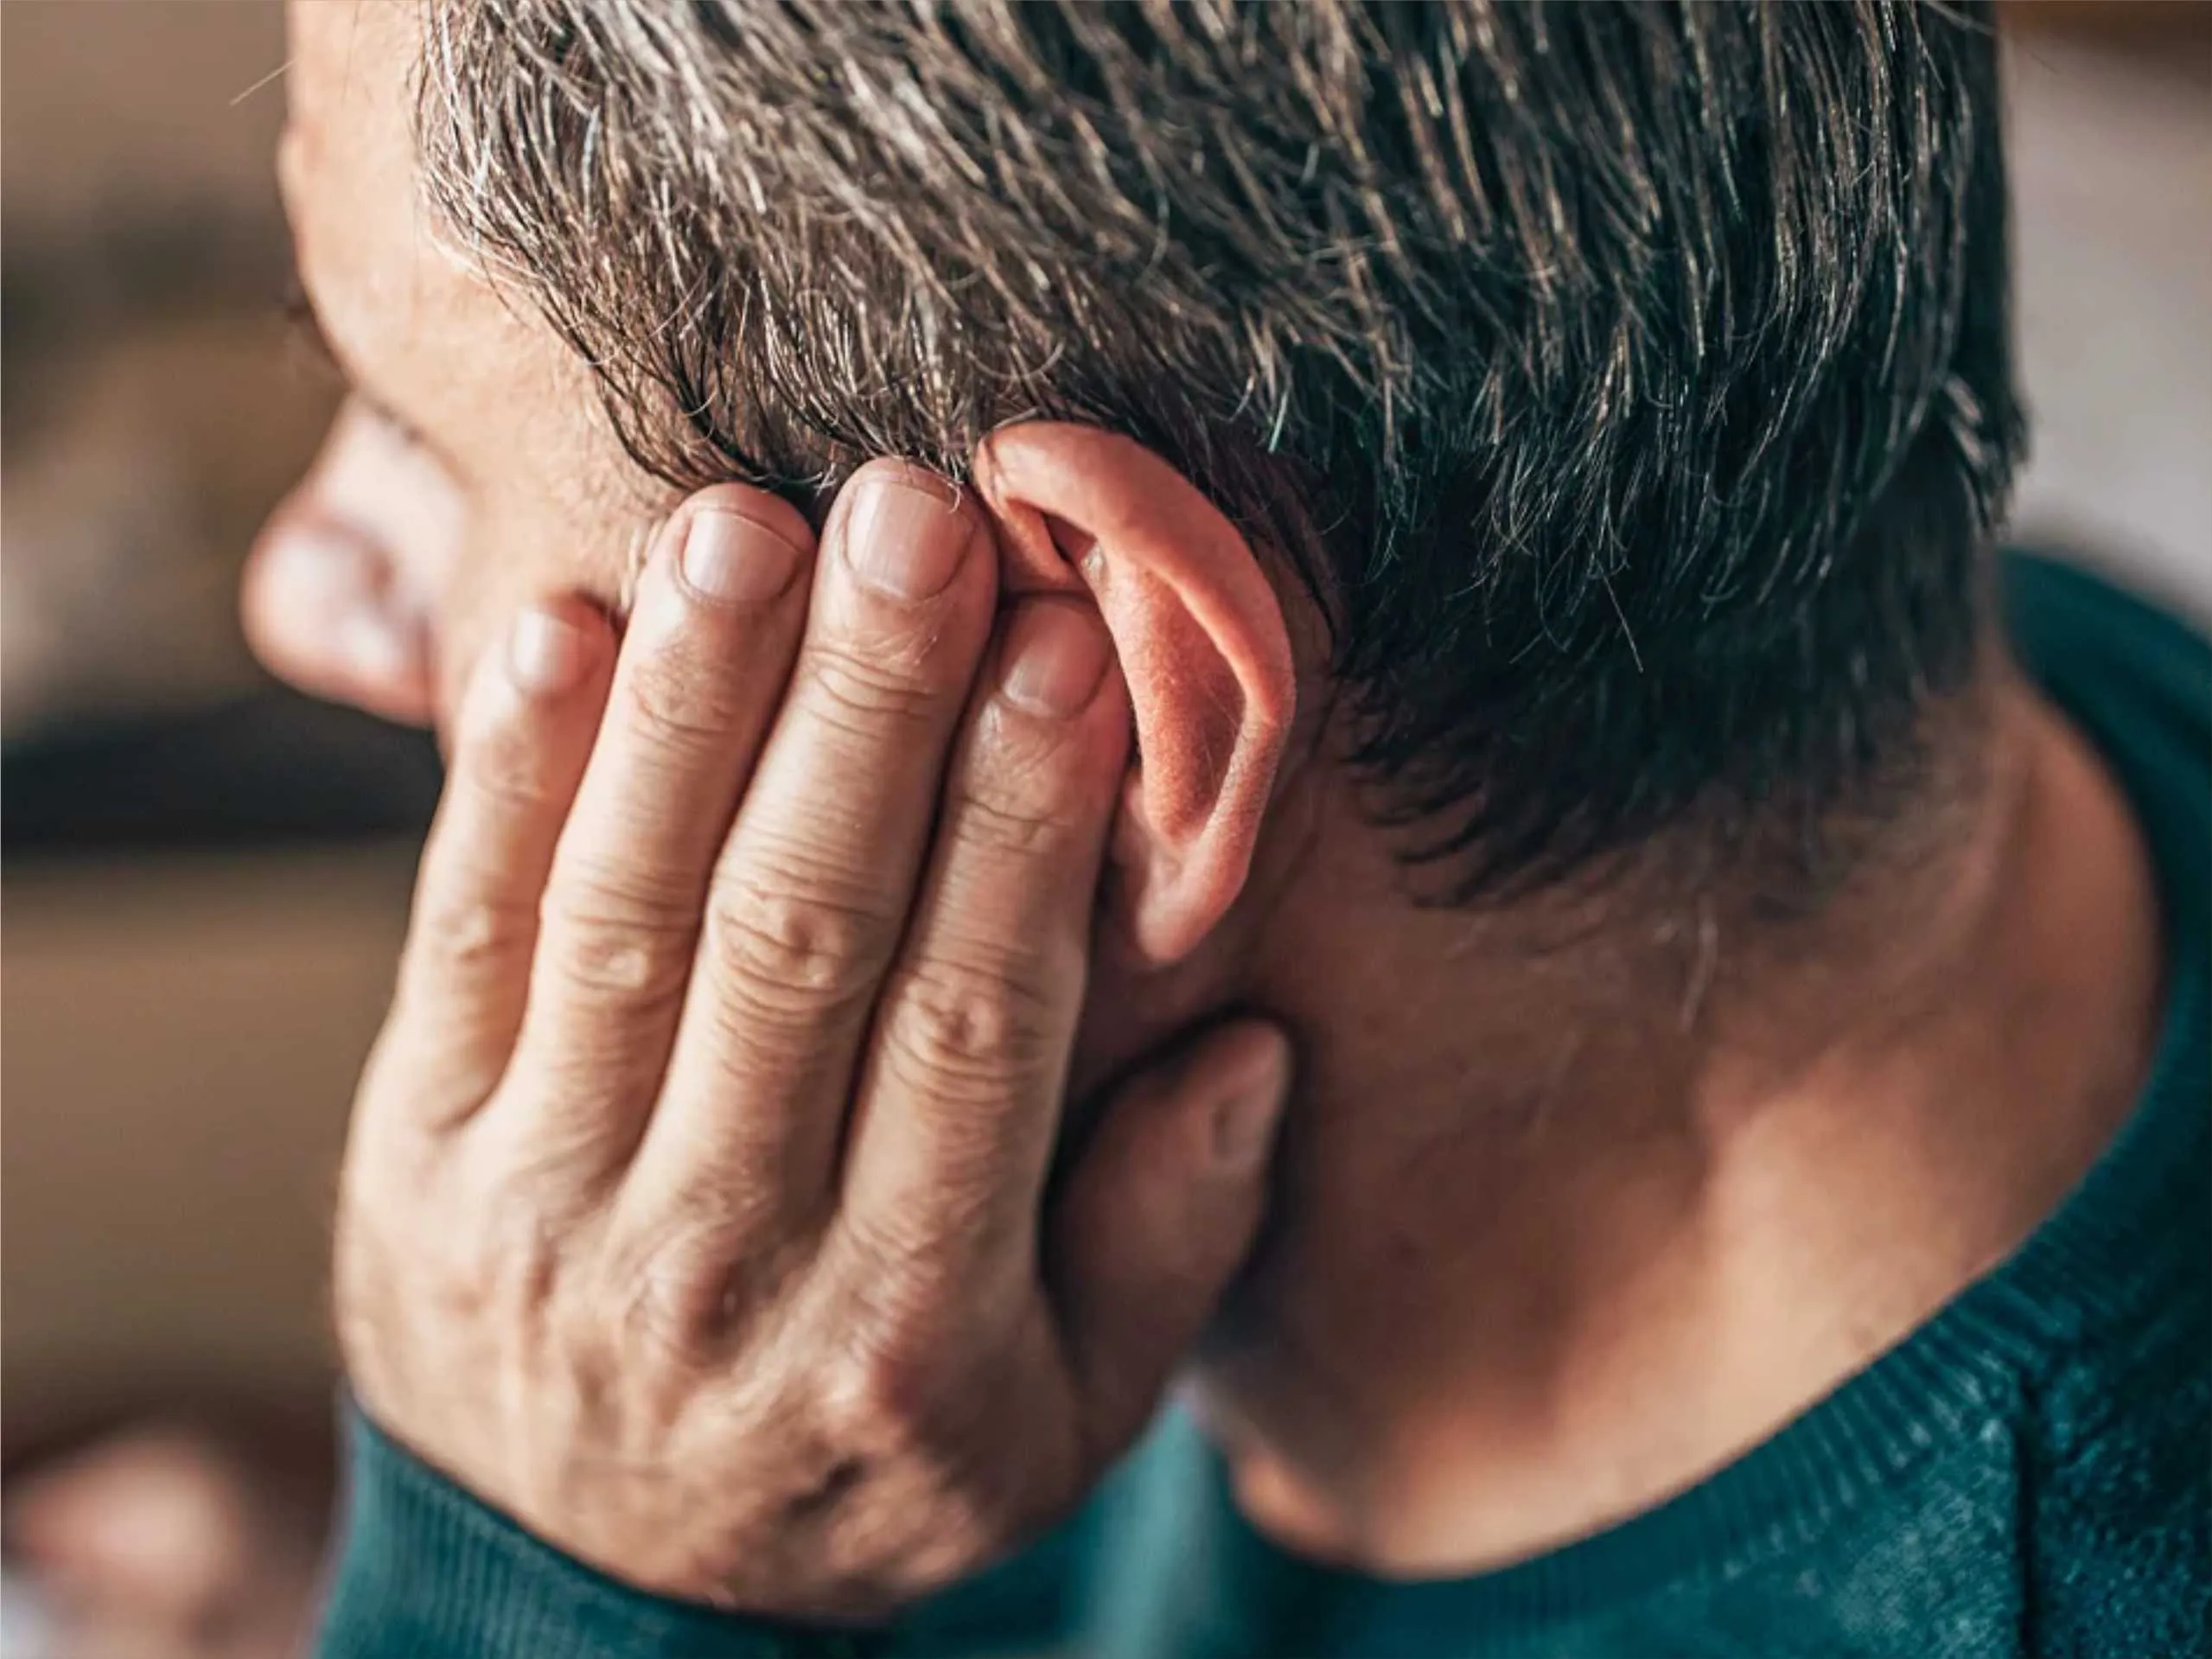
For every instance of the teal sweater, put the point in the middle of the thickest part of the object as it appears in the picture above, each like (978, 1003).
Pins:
(2027, 1474)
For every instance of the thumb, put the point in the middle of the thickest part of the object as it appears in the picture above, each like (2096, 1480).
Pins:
(1159, 1212)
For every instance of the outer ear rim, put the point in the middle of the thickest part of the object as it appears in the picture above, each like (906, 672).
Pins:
(1227, 594)
(1216, 579)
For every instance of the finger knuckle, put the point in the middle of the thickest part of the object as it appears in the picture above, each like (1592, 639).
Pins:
(868, 692)
(473, 924)
(539, 1254)
(793, 945)
(506, 764)
(506, 1264)
(901, 1404)
(598, 899)
(682, 694)
(890, 1388)
(961, 1029)
(634, 954)
(661, 1300)
(1001, 823)
(689, 1267)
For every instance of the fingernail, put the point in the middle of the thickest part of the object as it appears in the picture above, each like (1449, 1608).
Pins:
(1246, 1121)
(1055, 656)
(904, 540)
(735, 561)
(545, 653)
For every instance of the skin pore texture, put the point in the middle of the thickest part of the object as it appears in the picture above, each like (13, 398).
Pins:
(1560, 1227)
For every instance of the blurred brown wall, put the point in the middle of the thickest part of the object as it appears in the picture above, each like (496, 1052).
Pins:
(2174, 35)
(121, 108)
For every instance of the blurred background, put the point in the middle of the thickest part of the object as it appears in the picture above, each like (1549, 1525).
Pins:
(205, 878)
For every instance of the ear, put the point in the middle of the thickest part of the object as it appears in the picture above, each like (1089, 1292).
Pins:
(1202, 644)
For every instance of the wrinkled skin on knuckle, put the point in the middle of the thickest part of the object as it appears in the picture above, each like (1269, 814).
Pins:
(1030, 768)
(886, 1331)
(664, 1319)
(682, 696)
(600, 952)
(1021, 831)
(675, 1288)
(520, 1235)
(507, 763)
(966, 1032)
(467, 924)
(907, 1337)
(874, 690)
(788, 945)
(947, 1454)
(1061, 773)
(886, 1273)
(898, 1404)
(734, 1217)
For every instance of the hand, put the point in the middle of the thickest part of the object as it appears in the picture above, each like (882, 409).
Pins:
(695, 1209)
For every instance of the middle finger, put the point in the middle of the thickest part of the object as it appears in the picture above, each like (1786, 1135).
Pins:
(812, 890)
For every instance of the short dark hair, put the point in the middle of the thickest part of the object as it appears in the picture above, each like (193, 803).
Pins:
(1630, 383)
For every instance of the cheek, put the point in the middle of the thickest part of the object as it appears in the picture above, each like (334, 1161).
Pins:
(517, 552)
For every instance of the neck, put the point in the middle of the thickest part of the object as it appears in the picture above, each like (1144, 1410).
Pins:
(1559, 1233)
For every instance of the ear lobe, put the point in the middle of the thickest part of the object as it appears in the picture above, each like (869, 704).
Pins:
(1203, 645)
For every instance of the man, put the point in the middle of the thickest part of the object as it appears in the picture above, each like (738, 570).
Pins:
(1466, 546)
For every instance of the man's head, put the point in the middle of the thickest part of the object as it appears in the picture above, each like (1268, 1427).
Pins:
(1625, 391)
